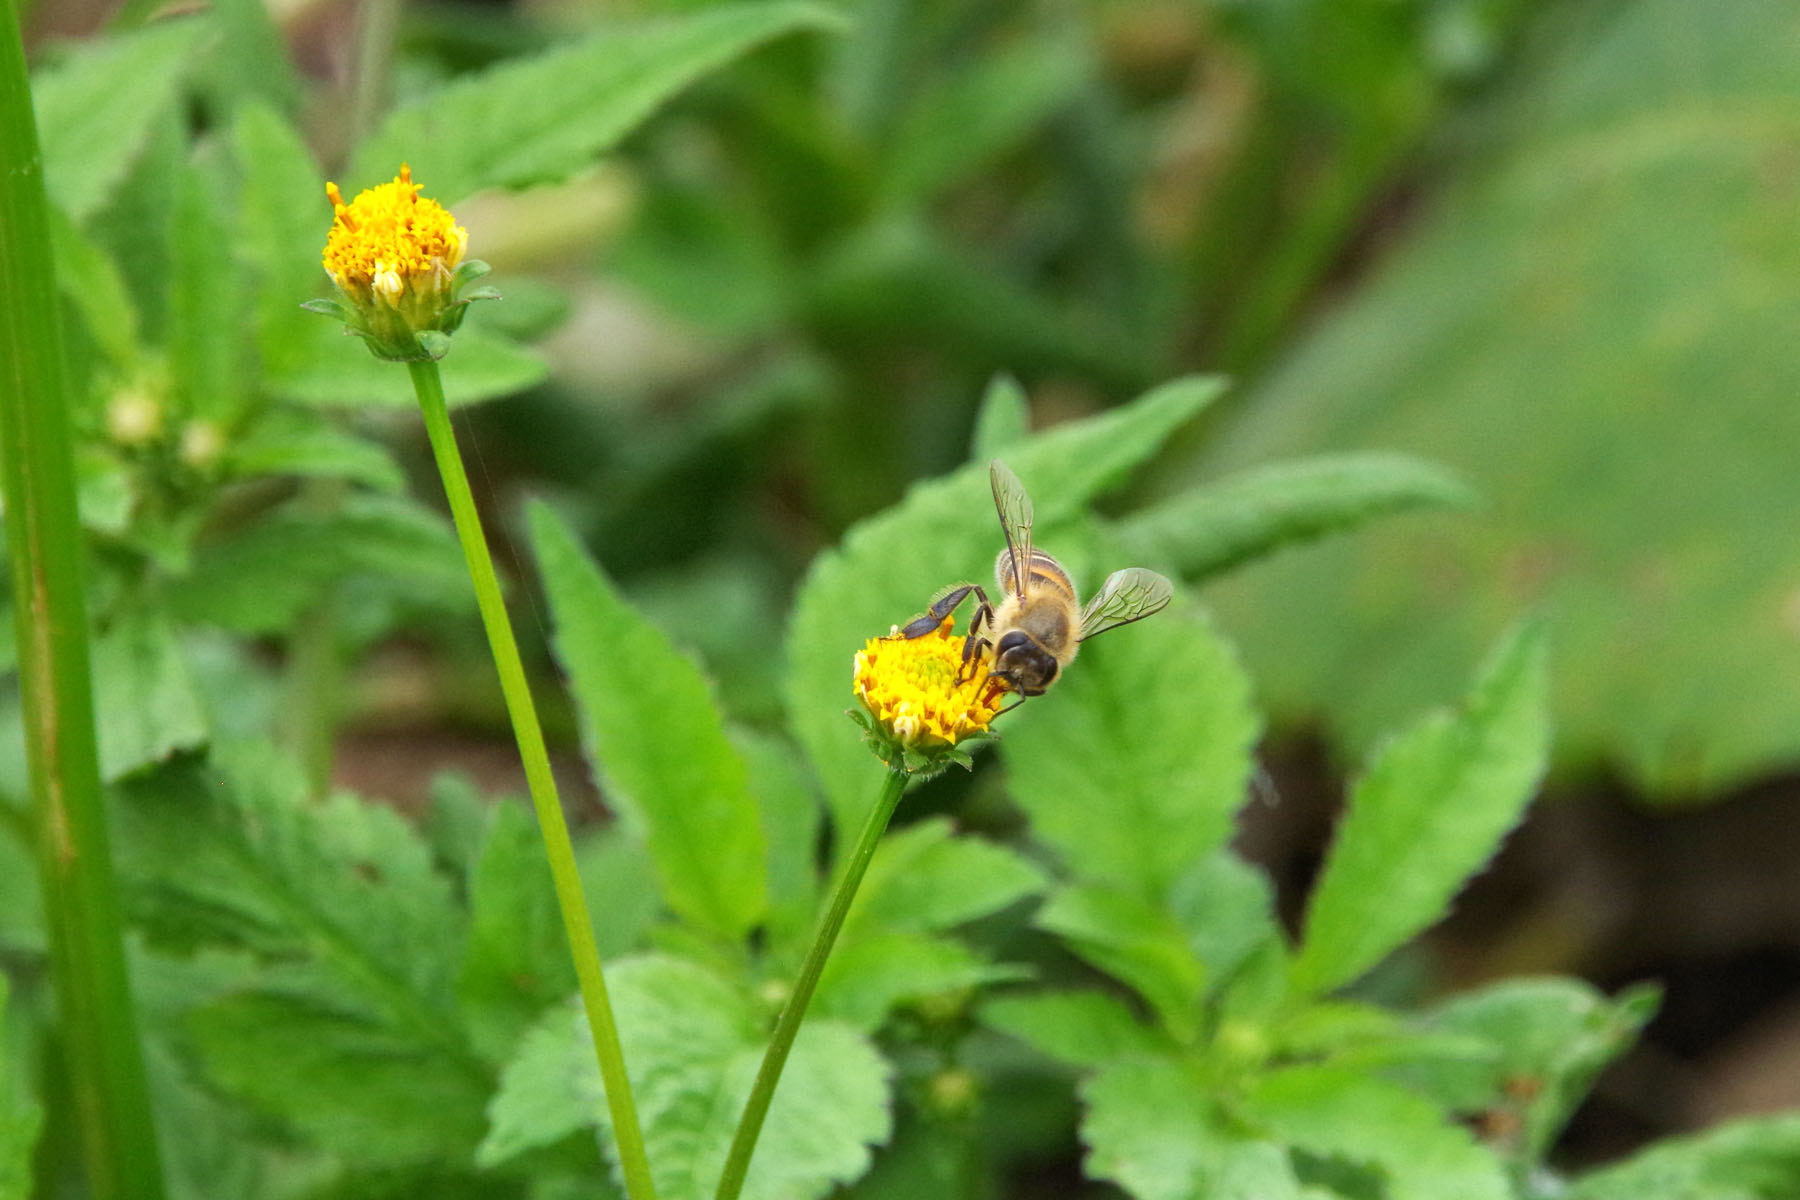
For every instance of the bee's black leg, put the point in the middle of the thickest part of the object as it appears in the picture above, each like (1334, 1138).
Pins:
(939, 610)
(1006, 710)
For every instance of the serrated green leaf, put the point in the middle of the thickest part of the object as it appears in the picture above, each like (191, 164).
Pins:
(888, 567)
(346, 1033)
(207, 298)
(1546, 1040)
(327, 368)
(1431, 809)
(95, 110)
(542, 119)
(692, 1043)
(1083, 1029)
(1149, 1127)
(1135, 943)
(1755, 1159)
(1523, 335)
(145, 704)
(1213, 527)
(866, 979)
(1350, 1115)
(992, 104)
(657, 742)
(290, 442)
(923, 879)
(1003, 421)
(1132, 768)
(515, 964)
(262, 578)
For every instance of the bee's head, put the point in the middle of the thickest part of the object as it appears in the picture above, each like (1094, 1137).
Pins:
(1023, 665)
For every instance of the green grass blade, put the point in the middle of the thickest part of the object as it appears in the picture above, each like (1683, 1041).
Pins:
(103, 1059)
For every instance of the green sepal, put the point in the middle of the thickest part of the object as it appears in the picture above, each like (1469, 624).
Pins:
(920, 764)
(331, 308)
(468, 273)
(434, 343)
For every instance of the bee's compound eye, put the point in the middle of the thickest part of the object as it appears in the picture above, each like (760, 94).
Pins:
(1015, 640)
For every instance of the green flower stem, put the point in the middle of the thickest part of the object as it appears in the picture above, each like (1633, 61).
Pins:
(102, 1062)
(743, 1143)
(626, 1132)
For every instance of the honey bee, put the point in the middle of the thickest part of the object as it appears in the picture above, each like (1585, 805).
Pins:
(1040, 624)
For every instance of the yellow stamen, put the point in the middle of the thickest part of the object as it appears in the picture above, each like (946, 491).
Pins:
(921, 692)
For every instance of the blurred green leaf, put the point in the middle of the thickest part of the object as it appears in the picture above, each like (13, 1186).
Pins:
(1132, 768)
(90, 280)
(145, 704)
(867, 978)
(993, 103)
(515, 964)
(1003, 421)
(619, 881)
(261, 578)
(19, 1121)
(542, 119)
(713, 264)
(1346, 1114)
(1548, 1039)
(1754, 1159)
(791, 816)
(96, 109)
(924, 879)
(1432, 807)
(693, 1043)
(1081, 1028)
(1226, 906)
(656, 741)
(1211, 528)
(886, 568)
(1135, 943)
(1593, 325)
(347, 1032)
(297, 442)
(207, 299)
(325, 367)
(902, 281)
(283, 219)
(252, 61)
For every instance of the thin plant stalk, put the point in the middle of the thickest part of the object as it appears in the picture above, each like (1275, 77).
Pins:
(626, 1132)
(787, 1026)
(103, 1063)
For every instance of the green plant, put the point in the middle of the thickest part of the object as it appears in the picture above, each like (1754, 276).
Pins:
(337, 1000)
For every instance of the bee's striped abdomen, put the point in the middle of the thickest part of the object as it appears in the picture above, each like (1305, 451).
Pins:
(1045, 572)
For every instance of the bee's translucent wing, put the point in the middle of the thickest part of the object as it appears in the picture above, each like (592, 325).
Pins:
(1014, 507)
(1126, 596)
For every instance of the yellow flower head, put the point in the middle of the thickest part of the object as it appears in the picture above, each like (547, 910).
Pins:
(397, 257)
(390, 238)
(921, 697)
